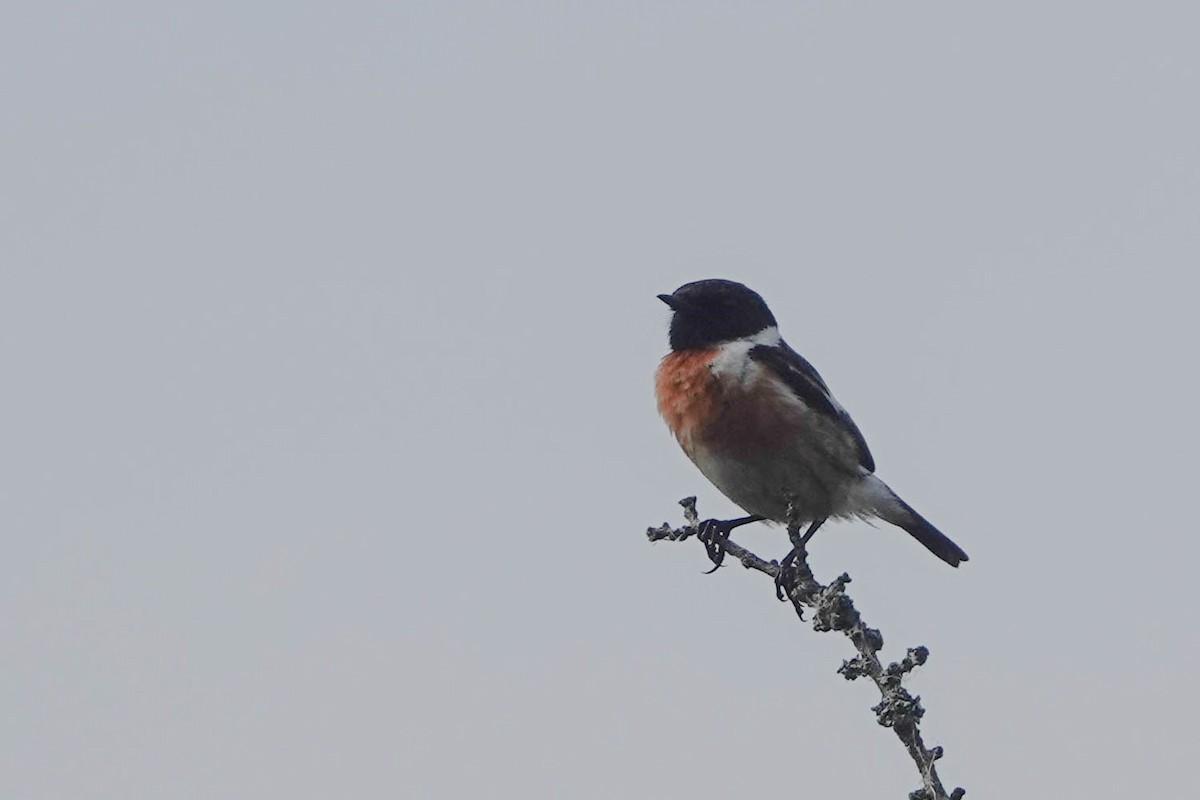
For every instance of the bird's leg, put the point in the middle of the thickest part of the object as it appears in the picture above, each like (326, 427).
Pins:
(784, 578)
(714, 533)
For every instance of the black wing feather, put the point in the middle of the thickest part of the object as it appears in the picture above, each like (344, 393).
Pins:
(802, 378)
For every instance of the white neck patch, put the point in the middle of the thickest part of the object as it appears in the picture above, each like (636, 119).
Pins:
(768, 336)
(733, 362)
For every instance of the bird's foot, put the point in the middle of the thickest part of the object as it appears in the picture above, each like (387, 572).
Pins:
(714, 533)
(785, 578)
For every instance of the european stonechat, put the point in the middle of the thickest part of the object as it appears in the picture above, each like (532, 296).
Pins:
(757, 419)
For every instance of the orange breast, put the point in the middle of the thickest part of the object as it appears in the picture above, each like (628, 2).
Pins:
(687, 393)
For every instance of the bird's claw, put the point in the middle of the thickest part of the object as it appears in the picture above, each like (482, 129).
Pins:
(785, 577)
(713, 533)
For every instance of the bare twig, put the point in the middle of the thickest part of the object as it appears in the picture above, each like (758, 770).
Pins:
(833, 610)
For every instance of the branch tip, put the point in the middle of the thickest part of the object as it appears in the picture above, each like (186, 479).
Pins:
(834, 610)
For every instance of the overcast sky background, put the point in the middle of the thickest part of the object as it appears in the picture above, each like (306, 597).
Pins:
(328, 441)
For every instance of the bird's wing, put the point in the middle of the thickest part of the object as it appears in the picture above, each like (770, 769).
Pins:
(804, 381)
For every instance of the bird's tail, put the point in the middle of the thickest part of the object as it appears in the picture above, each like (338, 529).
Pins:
(901, 514)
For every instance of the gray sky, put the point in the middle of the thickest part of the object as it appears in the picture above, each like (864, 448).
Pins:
(328, 440)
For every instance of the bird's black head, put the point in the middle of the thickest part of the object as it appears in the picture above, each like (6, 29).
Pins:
(715, 311)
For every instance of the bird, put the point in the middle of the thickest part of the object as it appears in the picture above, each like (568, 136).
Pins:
(761, 424)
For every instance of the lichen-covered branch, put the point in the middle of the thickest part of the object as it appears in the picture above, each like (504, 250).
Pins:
(833, 610)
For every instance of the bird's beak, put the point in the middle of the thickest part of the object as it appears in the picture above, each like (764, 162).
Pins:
(670, 300)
